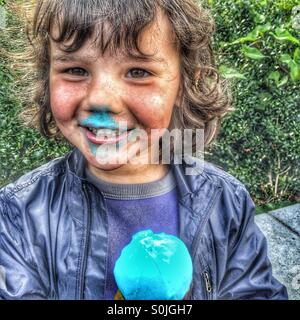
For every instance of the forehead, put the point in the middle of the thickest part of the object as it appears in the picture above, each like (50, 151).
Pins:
(157, 39)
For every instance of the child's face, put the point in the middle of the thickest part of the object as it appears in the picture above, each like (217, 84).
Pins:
(87, 89)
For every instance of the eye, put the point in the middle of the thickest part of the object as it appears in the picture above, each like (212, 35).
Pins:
(76, 72)
(138, 73)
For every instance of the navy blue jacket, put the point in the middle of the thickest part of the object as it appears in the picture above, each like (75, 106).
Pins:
(53, 235)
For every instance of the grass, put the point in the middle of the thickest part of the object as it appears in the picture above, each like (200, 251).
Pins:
(273, 206)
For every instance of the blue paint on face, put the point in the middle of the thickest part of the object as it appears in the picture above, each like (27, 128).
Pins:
(93, 148)
(100, 120)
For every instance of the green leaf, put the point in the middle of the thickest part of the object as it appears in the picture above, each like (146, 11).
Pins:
(284, 35)
(252, 53)
(264, 28)
(283, 81)
(286, 58)
(275, 75)
(230, 73)
(259, 18)
(223, 44)
(263, 3)
(297, 55)
(295, 71)
(250, 37)
(254, 35)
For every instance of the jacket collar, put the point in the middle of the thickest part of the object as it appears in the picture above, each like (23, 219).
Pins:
(196, 194)
(187, 184)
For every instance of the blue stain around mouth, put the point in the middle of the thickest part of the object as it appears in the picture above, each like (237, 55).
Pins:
(93, 148)
(100, 120)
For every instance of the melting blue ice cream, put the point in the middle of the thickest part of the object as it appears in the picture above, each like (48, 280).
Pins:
(154, 266)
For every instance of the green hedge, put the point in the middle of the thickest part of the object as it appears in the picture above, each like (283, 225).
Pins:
(21, 149)
(258, 46)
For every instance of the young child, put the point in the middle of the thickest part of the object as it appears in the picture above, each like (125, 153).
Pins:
(103, 71)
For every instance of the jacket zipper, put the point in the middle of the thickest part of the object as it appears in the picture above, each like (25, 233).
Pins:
(206, 285)
(85, 247)
(207, 282)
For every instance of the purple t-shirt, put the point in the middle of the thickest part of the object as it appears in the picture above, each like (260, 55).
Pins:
(132, 208)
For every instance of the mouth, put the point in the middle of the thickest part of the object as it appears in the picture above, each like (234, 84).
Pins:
(104, 136)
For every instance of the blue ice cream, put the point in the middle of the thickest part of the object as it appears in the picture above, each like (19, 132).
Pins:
(154, 266)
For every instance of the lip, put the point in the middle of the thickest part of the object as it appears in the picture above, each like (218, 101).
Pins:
(121, 126)
(111, 140)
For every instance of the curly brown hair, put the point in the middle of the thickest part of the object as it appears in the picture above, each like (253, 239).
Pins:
(205, 97)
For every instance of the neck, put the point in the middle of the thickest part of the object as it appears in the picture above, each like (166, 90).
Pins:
(132, 174)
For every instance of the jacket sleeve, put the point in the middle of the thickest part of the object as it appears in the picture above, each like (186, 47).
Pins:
(248, 272)
(19, 278)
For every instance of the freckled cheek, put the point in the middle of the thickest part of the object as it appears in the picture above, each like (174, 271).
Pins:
(153, 111)
(64, 101)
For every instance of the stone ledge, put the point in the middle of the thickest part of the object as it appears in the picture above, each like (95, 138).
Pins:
(282, 230)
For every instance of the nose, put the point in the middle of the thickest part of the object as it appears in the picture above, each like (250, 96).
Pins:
(103, 95)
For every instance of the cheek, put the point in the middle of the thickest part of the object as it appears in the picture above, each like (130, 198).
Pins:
(64, 100)
(153, 110)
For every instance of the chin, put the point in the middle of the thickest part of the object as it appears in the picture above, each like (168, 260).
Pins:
(108, 167)
(109, 161)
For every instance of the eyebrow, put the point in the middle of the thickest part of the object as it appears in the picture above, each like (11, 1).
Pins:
(65, 57)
